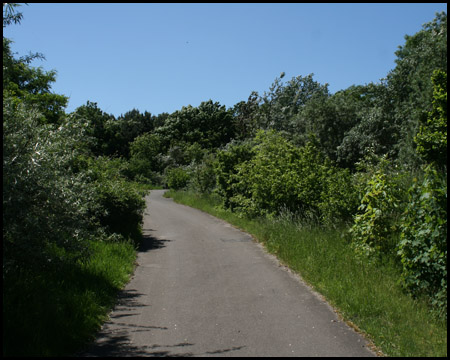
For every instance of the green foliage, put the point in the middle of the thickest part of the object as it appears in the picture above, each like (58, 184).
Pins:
(226, 167)
(274, 176)
(375, 225)
(145, 158)
(339, 197)
(376, 131)
(118, 206)
(58, 312)
(266, 183)
(22, 82)
(330, 117)
(244, 117)
(127, 127)
(368, 294)
(59, 204)
(202, 175)
(10, 15)
(112, 137)
(423, 245)
(45, 204)
(410, 86)
(177, 178)
(209, 125)
(431, 139)
(283, 101)
(99, 128)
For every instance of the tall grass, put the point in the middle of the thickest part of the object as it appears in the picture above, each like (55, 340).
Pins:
(367, 295)
(54, 313)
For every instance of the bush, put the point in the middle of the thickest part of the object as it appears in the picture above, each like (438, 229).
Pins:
(281, 177)
(177, 178)
(203, 177)
(271, 180)
(45, 203)
(339, 198)
(431, 138)
(145, 159)
(423, 245)
(270, 175)
(375, 230)
(225, 168)
(117, 205)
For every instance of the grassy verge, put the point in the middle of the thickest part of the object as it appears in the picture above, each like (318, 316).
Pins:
(53, 313)
(366, 295)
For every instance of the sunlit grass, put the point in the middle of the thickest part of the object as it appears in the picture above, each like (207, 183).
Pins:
(367, 295)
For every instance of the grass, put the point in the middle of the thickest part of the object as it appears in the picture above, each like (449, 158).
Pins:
(366, 295)
(54, 313)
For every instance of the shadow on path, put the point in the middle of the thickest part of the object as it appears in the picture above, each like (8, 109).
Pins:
(115, 337)
(150, 242)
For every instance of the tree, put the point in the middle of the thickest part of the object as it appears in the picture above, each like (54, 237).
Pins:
(244, 117)
(226, 167)
(283, 101)
(374, 133)
(100, 128)
(128, 127)
(209, 125)
(431, 139)
(10, 15)
(145, 156)
(45, 204)
(21, 82)
(423, 241)
(330, 118)
(409, 83)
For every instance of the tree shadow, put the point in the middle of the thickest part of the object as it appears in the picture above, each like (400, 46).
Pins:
(120, 345)
(115, 339)
(150, 242)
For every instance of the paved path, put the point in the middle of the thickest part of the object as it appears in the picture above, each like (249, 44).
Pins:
(204, 288)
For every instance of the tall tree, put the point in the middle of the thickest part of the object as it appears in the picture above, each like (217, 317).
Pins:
(25, 83)
(244, 117)
(409, 83)
(432, 136)
(210, 125)
(101, 127)
(283, 101)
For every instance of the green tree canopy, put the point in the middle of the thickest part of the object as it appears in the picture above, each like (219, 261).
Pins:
(409, 83)
(283, 101)
(22, 82)
(432, 136)
(210, 125)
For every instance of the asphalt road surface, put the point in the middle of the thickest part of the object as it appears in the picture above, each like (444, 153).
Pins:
(204, 288)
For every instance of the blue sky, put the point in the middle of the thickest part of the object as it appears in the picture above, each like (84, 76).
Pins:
(160, 57)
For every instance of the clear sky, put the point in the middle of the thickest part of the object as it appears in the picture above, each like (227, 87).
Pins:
(160, 57)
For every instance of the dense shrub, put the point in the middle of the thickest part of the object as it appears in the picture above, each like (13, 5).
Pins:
(118, 206)
(177, 178)
(45, 203)
(145, 157)
(275, 176)
(423, 245)
(270, 181)
(431, 138)
(339, 199)
(225, 167)
(375, 225)
(203, 178)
